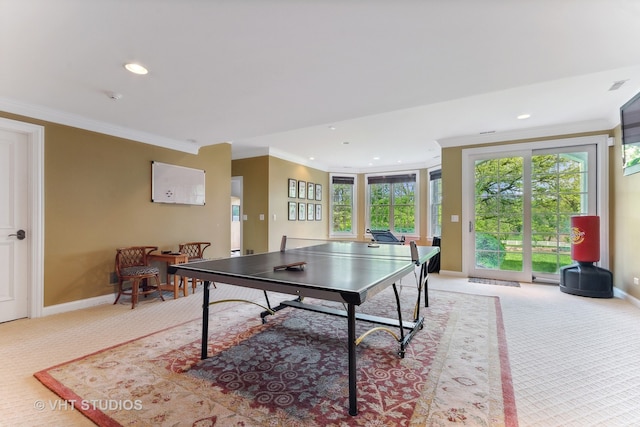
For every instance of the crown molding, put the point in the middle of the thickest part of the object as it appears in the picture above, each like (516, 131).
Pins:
(537, 132)
(268, 151)
(68, 119)
(389, 168)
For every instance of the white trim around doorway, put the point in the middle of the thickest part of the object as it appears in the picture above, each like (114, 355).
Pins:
(35, 153)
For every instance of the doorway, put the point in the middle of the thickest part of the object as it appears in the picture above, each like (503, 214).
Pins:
(235, 226)
(21, 220)
(236, 215)
(520, 204)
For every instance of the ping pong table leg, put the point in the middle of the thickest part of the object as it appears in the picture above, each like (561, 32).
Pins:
(423, 285)
(205, 320)
(399, 309)
(424, 278)
(353, 377)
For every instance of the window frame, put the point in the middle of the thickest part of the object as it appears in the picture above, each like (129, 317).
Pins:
(416, 232)
(354, 207)
(434, 174)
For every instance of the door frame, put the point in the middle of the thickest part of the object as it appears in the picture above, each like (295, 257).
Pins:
(237, 190)
(525, 274)
(35, 200)
(602, 143)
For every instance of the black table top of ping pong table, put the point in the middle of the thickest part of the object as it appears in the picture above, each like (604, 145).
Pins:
(346, 272)
(335, 271)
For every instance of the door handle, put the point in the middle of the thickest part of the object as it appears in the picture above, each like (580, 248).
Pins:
(470, 226)
(20, 234)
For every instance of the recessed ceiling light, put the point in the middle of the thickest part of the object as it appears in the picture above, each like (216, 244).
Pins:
(332, 128)
(136, 68)
(376, 158)
(312, 158)
(523, 116)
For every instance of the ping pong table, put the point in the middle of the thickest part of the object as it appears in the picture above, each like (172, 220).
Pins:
(345, 272)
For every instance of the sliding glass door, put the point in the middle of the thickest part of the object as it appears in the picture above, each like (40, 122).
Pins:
(563, 183)
(498, 223)
(521, 210)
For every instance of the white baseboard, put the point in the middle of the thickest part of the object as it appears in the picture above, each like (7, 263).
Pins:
(452, 273)
(77, 305)
(619, 293)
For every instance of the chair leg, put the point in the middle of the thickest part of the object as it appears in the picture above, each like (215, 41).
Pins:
(134, 293)
(119, 291)
(158, 283)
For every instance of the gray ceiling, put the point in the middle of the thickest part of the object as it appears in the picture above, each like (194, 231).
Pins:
(395, 80)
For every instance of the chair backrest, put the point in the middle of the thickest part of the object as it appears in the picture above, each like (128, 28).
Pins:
(133, 256)
(193, 249)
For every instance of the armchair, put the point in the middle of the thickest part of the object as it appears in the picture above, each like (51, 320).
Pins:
(195, 252)
(132, 265)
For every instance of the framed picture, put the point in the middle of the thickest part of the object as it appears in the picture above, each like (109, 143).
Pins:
(293, 210)
(310, 191)
(318, 192)
(302, 190)
(293, 188)
(310, 211)
(318, 212)
(302, 211)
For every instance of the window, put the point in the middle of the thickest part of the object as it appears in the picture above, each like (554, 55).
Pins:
(435, 203)
(343, 191)
(392, 202)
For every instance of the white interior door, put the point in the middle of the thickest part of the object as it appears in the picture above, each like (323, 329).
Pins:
(14, 248)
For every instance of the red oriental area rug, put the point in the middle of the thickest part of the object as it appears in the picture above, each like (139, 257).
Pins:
(292, 371)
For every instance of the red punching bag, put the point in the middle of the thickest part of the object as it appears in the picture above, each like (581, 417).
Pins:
(585, 238)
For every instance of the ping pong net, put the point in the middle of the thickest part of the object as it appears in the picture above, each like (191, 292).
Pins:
(345, 248)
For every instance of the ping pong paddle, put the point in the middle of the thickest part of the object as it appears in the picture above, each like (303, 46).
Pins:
(294, 266)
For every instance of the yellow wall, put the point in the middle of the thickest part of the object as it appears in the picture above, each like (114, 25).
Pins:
(625, 217)
(98, 198)
(279, 173)
(265, 191)
(255, 201)
(451, 244)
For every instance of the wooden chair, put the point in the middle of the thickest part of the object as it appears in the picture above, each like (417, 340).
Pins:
(132, 265)
(195, 252)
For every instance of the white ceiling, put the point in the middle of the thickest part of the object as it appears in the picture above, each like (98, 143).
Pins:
(397, 79)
